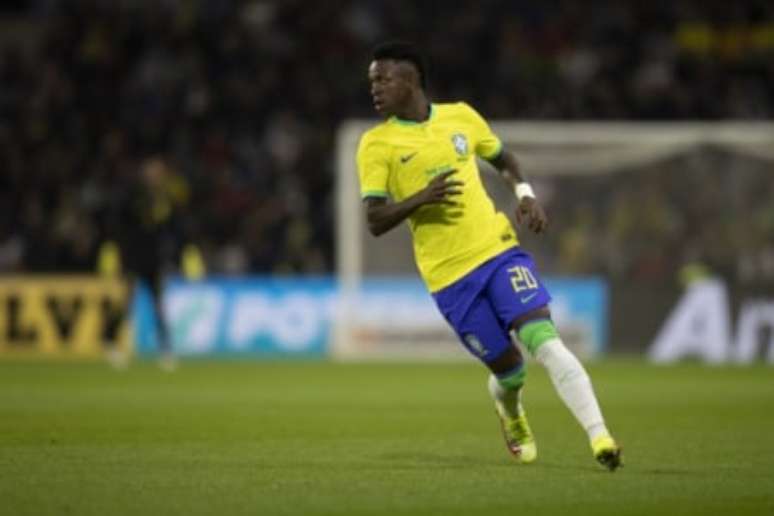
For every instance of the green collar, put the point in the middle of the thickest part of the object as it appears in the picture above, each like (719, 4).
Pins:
(413, 122)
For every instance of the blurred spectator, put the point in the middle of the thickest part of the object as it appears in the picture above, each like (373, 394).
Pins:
(241, 99)
(145, 237)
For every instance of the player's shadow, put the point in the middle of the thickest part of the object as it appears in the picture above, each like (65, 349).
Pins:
(630, 470)
(564, 467)
(425, 460)
(671, 472)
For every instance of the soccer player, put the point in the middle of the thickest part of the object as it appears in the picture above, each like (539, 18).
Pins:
(419, 165)
(143, 219)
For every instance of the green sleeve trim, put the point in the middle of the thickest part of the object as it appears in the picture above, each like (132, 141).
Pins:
(374, 193)
(536, 333)
(495, 154)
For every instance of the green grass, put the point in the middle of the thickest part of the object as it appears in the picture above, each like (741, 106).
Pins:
(275, 438)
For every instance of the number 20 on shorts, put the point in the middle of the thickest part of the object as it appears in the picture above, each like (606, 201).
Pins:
(522, 279)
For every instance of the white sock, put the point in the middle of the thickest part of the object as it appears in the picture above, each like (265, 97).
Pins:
(507, 401)
(573, 385)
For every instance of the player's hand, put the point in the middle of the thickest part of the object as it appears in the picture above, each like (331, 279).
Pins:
(530, 211)
(441, 188)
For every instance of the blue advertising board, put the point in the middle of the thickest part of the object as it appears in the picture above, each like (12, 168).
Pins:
(580, 309)
(265, 316)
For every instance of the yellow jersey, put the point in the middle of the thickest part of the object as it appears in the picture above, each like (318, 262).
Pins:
(398, 158)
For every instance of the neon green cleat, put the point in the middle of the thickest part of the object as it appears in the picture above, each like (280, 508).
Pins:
(607, 452)
(518, 437)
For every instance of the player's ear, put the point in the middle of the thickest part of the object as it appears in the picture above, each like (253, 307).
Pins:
(408, 73)
(415, 80)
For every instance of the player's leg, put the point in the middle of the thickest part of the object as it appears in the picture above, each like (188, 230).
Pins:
(571, 381)
(505, 385)
(485, 338)
(521, 299)
(153, 279)
(506, 379)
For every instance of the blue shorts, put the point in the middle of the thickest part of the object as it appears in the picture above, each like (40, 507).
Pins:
(482, 305)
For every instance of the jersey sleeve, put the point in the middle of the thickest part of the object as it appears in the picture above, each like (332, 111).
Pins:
(372, 167)
(488, 145)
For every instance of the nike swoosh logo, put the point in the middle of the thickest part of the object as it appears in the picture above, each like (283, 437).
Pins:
(407, 157)
(526, 299)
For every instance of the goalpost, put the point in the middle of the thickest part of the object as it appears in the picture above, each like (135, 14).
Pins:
(550, 153)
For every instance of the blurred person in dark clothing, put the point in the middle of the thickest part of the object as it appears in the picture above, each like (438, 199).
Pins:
(146, 221)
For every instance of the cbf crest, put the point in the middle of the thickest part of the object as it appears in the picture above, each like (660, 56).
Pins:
(460, 143)
(474, 344)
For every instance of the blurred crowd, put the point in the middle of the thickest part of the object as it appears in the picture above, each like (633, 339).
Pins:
(217, 118)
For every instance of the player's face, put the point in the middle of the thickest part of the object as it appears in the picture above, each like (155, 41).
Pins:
(390, 88)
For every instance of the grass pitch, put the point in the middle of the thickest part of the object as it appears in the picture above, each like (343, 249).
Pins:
(281, 438)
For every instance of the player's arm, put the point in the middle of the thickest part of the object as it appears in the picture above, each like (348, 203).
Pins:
(490, 148)
(383, 215)
(528, 208)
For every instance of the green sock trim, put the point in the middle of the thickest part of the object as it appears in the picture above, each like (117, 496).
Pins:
(535, 333)
(514, 380)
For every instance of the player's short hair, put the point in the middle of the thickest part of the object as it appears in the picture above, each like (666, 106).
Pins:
(403, 51)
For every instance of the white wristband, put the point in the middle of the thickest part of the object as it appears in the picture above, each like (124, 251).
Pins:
(523, 190)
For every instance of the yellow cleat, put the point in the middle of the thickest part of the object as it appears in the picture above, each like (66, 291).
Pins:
(518, 438)
(607, 452)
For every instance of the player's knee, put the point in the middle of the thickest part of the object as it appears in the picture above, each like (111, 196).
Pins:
(534, 334)
(509, 359)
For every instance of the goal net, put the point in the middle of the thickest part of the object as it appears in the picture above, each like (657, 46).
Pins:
(633, 202)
